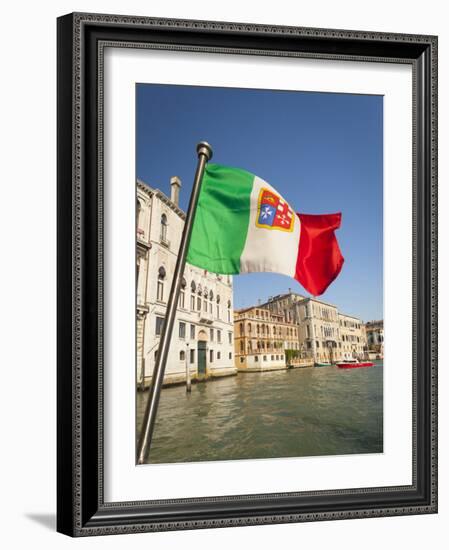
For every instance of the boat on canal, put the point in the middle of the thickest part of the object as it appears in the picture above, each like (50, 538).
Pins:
(323, 364)
(354, 364)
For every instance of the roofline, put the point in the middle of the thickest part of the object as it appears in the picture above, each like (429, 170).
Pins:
(303, 299)
(351, 316)
(246, 309)
(162, 196)
(310, 298)
(243, 309)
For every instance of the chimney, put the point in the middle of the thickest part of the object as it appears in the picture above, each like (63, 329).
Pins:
(175, 184)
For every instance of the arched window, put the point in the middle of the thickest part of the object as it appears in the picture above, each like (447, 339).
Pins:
(199, 291)
(241, 328)
(182, 355)
(164, 228)
(160, 284)
(229, 311)
(218, 306)
(138, 212)
(249, 328)
(205, 296)
(182, 294)
(192, 295)
(211, 297)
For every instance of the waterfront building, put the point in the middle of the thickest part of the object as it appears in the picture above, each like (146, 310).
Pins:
(352, 336)
(319, 330)
(264, 340)
(375, 338)
(203, 332)
(323, 331)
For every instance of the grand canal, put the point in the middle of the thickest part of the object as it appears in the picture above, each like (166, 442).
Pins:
(297, 412)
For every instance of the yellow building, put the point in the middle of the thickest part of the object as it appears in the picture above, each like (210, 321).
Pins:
(264, 341)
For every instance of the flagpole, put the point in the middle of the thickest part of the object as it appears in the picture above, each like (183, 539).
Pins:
(204, 151)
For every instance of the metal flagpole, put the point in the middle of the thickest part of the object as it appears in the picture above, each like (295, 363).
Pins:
(204, 151)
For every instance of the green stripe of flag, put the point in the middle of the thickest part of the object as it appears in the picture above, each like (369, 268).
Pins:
(221, 220)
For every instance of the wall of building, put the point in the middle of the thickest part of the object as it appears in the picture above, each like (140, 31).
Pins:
(352, 336)
(203, 328)
(323, 332)
(375, 338)
(262, 339)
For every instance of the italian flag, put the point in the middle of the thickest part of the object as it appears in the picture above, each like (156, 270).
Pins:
(243, 225)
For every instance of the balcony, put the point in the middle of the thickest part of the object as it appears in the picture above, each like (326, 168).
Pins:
(141, 240)
(164, 242)
(206, 318)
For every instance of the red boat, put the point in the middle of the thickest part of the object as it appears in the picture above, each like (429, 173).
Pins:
(354, 365)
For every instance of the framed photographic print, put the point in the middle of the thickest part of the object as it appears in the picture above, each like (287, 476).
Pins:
(247, 289)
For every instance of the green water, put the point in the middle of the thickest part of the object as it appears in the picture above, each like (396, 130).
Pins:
(298, 412)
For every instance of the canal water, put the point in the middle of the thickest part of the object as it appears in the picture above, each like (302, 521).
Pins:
(292, 413)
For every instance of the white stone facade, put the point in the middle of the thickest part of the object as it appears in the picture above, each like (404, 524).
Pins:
(352, 337)
(326, 334)
(203, 330)
(375, 338)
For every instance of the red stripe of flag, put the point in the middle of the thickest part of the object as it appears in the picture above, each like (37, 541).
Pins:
(319, 258)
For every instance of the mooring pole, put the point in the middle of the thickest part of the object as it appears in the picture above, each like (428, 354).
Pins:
(204, 151)
(188, 381)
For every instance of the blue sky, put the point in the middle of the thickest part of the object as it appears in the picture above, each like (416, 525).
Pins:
(323, 152)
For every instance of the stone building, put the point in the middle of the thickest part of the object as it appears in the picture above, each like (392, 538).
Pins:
(264, 340)
(203, 330)
(375, 338)
(323, 332)
(352, 336)
(319, 329)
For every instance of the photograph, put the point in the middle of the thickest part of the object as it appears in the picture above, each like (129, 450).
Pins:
(246, 273)
(277, 345)
(222, 220)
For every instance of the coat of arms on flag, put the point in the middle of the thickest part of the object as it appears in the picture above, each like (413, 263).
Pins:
(273, 212)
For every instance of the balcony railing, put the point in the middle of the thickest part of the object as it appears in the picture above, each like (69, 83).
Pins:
(164, 242)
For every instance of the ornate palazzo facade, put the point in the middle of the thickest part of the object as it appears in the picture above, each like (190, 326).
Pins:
(203, 333)
(323, 331)
(264, 340)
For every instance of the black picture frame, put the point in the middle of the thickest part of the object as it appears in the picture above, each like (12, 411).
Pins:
(81, 510)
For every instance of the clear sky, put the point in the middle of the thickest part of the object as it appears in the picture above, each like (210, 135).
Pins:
(323, 152)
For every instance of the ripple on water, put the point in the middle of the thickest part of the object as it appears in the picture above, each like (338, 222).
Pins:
(299, 412)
